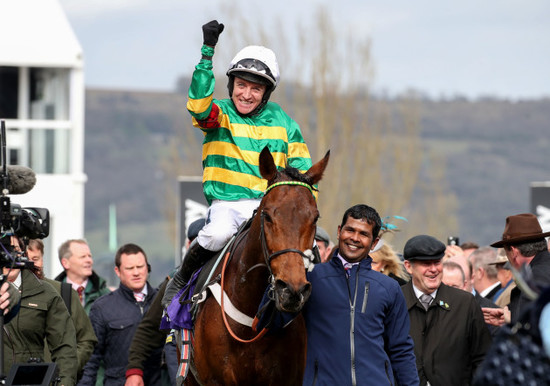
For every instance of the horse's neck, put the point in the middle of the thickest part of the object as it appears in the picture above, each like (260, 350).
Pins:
(248, 271)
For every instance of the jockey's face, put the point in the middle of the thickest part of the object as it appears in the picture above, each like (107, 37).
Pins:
(247, 95)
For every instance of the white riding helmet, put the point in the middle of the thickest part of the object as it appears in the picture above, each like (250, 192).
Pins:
(259, 63)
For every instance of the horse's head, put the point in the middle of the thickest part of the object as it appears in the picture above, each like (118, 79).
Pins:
(289, 215)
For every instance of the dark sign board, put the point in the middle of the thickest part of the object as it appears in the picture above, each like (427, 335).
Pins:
(540, 203)
(191, 206)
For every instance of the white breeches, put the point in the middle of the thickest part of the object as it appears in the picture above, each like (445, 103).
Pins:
(223, 220)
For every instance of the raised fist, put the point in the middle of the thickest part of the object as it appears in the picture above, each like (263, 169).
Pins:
(210, 32)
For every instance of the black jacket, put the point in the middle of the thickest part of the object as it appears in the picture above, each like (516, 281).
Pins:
(450, 339)
(115, 318)
(540, 267)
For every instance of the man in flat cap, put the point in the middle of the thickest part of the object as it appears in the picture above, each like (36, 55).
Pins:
(447, 326)
(525, 244)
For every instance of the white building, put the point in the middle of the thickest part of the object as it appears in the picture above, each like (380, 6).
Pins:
(42, 103)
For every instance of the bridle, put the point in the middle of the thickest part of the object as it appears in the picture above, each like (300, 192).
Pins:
(267, 255)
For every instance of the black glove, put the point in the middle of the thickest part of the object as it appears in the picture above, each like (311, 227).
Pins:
(210, 32)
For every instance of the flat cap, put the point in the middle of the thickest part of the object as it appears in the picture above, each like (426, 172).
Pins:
(322, 235)
(423, 247)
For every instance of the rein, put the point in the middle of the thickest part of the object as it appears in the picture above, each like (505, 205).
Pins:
(268, 258)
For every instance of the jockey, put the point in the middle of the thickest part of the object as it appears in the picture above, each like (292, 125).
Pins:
(235, 132)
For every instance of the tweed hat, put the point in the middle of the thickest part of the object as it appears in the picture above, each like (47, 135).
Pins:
(520, 228)
(424, 247)
(500, 259)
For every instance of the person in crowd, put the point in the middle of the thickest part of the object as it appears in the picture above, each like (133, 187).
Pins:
(525, 245)
(370, 340)
(484, 274)
(236, 130)
(77, 262)
(42, 318)
(148, 337)
(85, 336)
(464, 262)
(323, 244)
(505, 277)
(385, 260)
(468, 247)
(115, 318)
(447, 325)
(453, 276)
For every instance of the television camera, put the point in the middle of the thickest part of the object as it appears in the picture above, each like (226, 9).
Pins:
(24, 223)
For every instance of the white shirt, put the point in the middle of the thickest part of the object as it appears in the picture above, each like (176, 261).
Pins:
(489, 289)
(418, 293)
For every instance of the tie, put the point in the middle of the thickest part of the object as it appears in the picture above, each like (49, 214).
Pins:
(425, 300)
(80, 291)
(347, 267)
(140, 296)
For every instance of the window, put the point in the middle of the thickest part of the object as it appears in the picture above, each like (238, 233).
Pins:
(49, 93)
(49, 150)
(9, 92)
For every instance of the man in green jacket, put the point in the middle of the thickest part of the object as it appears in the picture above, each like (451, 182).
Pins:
(42, 317)
(76, 259)
(85, 336)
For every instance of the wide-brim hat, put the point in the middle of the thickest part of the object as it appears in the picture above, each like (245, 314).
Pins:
(520, 228)
(424, 247)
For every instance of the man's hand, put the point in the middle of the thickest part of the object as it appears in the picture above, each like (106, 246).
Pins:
(496, 316)
(210, 32)
(134, 380)
(453, 250)
(9, 297)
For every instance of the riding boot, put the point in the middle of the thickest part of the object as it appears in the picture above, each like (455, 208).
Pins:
(195, 258)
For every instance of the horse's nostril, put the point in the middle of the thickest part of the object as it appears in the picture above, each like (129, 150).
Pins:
(306, 291)
(290, 300)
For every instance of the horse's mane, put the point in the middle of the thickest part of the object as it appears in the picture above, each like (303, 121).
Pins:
(294, 175)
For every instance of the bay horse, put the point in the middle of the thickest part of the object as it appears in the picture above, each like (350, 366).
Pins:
(231, 353)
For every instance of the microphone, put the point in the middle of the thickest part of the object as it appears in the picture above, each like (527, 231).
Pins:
(20, 179)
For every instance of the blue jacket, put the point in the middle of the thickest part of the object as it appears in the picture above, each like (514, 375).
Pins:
(115, 318)
(358, 328)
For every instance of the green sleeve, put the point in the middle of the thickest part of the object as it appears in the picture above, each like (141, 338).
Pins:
(148, 337)
(61, 338)
(85, 335)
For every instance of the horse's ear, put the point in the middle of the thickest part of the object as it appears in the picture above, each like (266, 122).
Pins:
(315, 173)
(268, 170)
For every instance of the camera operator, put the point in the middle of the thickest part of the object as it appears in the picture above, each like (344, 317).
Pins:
(42, 315)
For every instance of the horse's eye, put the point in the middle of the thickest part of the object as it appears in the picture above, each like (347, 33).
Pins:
(267, 217)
